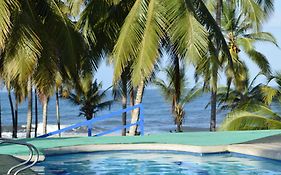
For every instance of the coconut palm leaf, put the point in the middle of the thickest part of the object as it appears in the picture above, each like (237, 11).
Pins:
(187, 34)
(75, 6)
(243, 120)
(139, 40)
(88, 96)
(164, 88)
(260, 60)
(206, 19)
(262, 36)
(6, 9)
(253, 11)
(192, 94)
(267, 6)
(23, 47)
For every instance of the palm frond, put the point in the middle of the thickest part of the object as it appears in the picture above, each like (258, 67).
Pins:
(148, 49)
(126, 47)
(262, 36)
(165, 89)
(187, 34)
(206, 19)
(260, 60)
(253, 11)
(242, 120)
(6, 9)
(268, 94)
(194, 93)
(267, 6)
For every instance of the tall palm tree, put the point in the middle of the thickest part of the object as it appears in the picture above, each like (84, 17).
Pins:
(146, 26)
(27, 37)
(100, 23)
(175, 92)
(241, 37)
(20, 95)
(120, 92)
(214, 71)
(256, 12)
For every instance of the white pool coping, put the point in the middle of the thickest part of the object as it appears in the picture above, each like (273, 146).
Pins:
(269, 147)
(270, 151)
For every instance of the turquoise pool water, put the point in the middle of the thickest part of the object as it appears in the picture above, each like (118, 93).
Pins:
(156, 162)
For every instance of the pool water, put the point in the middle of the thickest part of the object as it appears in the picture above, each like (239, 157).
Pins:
(156, 162)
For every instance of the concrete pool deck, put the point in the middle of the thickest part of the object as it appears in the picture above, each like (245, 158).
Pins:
(7, 161)
(266, 143)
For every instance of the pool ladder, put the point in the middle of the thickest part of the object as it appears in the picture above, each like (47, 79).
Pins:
(27, 163)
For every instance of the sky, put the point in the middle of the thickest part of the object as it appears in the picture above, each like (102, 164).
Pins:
(273, 54)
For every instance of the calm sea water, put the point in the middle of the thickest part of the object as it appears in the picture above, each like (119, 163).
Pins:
(157, 113)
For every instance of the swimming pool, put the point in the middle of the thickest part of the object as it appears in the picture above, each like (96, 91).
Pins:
(156, 162)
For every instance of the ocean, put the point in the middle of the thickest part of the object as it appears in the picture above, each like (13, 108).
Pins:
(157, 115)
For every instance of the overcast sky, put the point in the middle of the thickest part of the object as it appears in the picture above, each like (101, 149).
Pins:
(273, 53)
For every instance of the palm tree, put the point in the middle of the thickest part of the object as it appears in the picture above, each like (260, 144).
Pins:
(28, 37)
(254, 13)
(120, 91)
(58, 109)
(147, 24)
(100, 27)
(89, 97)
(175, 92)
(241, 37)
(235, 99)
(12, 111)
(253, 110)
(20, 96)
(256, 10)
(249, 109)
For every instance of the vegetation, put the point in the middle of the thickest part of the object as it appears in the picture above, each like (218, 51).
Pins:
(88, 96)
(54, 47)
(176, 93)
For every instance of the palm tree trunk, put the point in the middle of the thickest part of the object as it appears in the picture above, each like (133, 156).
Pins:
(132, 97)
(177, 78)
(213, 110)
(15, 128)
(219, 12)
(124, 102)
(36, 113)
(214, 89)
(12, 112)
(179, 128)
(176, 99)
(136, 112)
(45, 115)
(0, 119)
(29, 110)
(58, 109)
